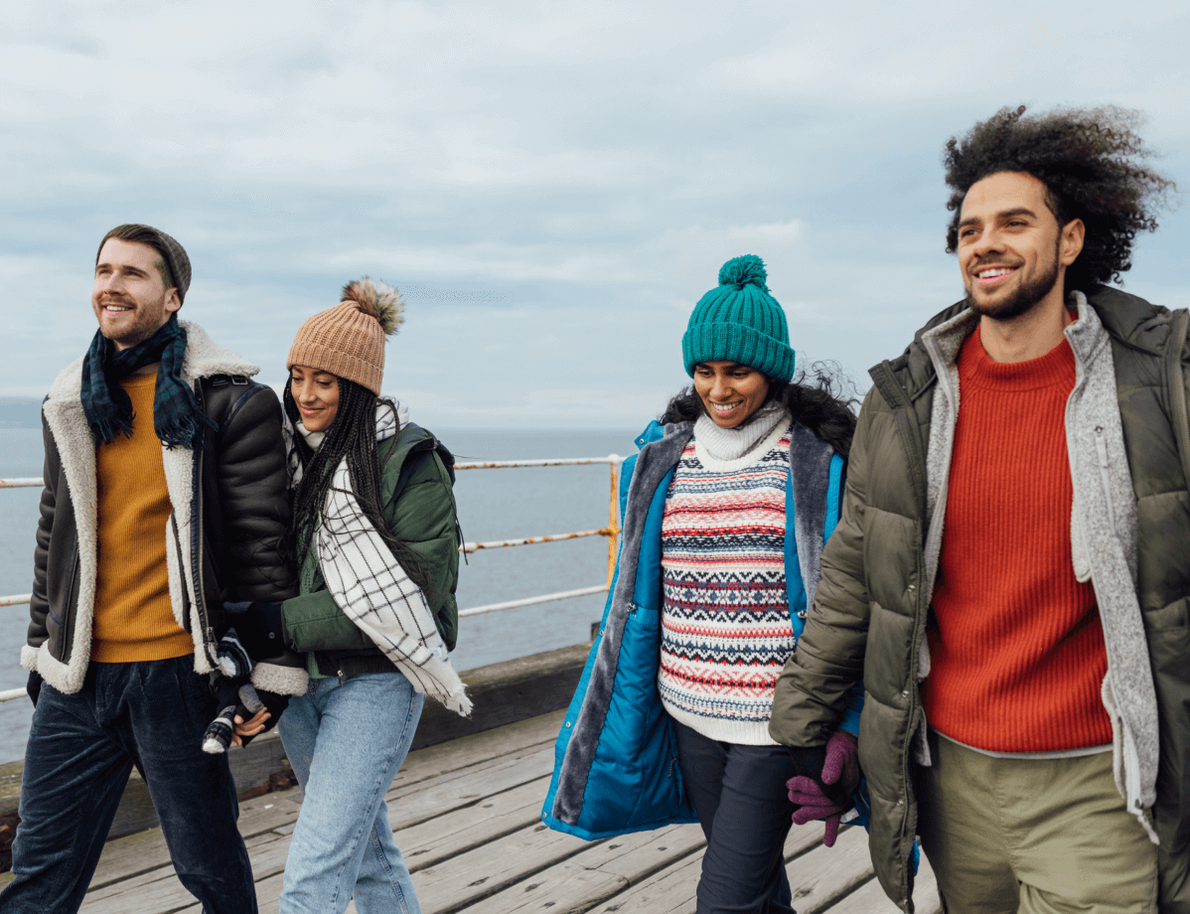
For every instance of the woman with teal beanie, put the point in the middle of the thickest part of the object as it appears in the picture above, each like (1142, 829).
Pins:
(725, 512)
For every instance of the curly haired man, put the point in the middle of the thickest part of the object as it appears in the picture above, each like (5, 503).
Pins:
(1011, 577)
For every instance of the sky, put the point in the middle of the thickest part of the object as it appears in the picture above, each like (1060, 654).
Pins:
(551, 185)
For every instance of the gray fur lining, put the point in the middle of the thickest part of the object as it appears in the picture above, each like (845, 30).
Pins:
(812, 460)
(1105, 508)
(655, 460)
(943, 344)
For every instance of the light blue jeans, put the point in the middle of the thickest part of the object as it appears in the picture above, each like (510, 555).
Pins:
(346, 744)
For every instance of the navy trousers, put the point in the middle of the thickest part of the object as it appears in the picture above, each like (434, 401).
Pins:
(81, 750)
(743, 806)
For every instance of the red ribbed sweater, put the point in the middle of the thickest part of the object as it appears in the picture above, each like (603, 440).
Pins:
(1016, 643)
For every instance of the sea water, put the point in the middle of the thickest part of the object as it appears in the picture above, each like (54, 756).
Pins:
(494, 504)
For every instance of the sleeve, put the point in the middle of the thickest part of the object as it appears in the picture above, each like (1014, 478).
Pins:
(254, 501)
(254, 516)
(423, 517)
(314, 622)
(39, 602)
(820, 688)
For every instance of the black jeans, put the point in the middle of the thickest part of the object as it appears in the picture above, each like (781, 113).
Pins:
(81, 750)
(743, 806)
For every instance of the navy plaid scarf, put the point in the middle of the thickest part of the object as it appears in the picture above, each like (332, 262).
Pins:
(177, 420)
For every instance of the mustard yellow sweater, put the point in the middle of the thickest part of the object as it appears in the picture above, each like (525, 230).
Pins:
(134, 619)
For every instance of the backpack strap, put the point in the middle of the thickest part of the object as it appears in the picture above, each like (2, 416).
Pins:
(1175, 378)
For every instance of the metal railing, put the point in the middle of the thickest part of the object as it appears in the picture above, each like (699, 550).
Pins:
(611, 531)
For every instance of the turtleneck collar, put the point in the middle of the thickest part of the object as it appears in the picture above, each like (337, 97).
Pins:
(730, 444)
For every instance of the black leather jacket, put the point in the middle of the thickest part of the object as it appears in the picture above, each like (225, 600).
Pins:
(224, 542)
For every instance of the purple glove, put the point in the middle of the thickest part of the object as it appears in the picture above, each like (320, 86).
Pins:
(828, 796)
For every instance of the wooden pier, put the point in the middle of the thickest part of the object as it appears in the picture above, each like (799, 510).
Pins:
(466, 815)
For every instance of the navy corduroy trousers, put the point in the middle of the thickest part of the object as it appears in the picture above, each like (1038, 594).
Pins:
(81, 749)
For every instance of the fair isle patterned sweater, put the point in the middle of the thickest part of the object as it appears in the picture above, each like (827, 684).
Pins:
(725, 626)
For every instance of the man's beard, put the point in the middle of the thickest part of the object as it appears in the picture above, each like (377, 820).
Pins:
(1027, 295)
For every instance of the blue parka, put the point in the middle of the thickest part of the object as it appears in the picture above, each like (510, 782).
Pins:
(616, 758)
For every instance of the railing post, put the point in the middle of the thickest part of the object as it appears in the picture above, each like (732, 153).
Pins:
(613, 518)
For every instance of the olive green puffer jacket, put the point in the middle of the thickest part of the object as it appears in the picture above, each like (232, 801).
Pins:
(869, 614)
(423, 517)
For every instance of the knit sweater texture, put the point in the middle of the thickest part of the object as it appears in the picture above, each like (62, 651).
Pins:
(1016, 642)
(134, 619)
(726, 630)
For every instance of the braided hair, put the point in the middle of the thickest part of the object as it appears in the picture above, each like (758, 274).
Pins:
(351, 435)
(815, 405)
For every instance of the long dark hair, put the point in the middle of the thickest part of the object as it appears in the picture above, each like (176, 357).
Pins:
(815, 399)
(351, 435)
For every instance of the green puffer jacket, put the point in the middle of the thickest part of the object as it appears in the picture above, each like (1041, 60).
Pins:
(869, 614)
(423, 517)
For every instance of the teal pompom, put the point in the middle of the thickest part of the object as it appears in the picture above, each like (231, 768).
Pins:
(742, 270)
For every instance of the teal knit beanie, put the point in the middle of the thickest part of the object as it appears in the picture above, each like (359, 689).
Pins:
(740, 322)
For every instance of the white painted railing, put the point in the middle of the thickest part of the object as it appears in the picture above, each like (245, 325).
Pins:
(611, 531)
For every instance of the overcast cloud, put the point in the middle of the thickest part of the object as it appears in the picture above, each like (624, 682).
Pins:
(555, 184)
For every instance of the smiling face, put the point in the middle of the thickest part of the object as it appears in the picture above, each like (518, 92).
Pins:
(316, 394)
(730, 392)
(129, 297)
(1012, 251)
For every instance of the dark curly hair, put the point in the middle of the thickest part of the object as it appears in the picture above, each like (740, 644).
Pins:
(820, 405)
(1090, 162)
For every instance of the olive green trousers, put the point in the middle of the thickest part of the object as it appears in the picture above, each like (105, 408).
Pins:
(1035, 836)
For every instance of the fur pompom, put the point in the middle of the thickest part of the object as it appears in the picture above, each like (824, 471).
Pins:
(741, 270)
(379, 299)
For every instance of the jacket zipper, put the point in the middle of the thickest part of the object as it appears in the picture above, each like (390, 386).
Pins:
(1104, 478)
(208, 633)
(173, 522)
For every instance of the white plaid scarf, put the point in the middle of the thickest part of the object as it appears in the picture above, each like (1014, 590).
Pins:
(374, 592)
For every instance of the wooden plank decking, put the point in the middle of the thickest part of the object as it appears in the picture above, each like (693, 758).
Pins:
(466, 814)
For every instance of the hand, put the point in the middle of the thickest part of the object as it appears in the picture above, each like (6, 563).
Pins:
(826, 795)
(33, 687)
(263, 721)
(246, 729)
